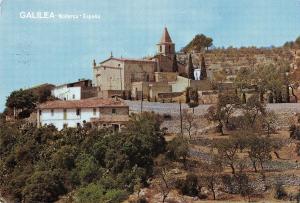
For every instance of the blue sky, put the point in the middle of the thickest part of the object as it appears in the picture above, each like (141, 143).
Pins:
(35, 51)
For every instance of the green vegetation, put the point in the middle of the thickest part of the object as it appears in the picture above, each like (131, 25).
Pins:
(198, 44)
(41, 164)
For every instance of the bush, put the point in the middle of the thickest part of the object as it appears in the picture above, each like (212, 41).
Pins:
(280, 193)
(95, 193)
(44, 186)
(189, 186)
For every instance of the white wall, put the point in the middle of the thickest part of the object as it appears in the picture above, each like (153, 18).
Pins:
(57, 119)
(180, 84)
(67, 93)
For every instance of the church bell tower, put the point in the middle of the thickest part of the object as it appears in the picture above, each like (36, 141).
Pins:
(166, 46)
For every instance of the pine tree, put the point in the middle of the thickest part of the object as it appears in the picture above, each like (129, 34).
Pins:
(175, 65)
(203, 69)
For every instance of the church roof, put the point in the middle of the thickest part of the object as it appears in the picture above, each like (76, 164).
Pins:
(165, 38)
(128, 60)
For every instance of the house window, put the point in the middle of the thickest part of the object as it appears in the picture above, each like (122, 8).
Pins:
(78, 125)
(52, 112)
(160, 49)
(73, 96)
(113, 111)
(40, 112)
(78, 112)
(65, 98)
(65, 114)
(94, 112)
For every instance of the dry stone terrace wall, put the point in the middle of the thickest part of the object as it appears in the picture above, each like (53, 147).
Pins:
(285, 111)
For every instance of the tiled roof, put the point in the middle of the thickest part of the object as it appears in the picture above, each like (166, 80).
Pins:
(84, 103)
(165, 38)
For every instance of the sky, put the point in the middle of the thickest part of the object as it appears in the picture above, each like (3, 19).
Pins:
(53, 50)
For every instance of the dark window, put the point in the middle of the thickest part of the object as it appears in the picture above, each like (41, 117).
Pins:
(78, 125)
(40, 111)
(78, 112)
(160, 48)
(113, 111)
(115, 127)
(73, 96)
(94, 112)
(52, 112)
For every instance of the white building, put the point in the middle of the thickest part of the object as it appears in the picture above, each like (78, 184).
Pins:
(74, 91)
(75, 113)
(64, 92)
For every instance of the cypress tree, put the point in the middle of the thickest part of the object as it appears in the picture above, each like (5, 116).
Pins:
(190, 68)
(203, 69)
(175, 65)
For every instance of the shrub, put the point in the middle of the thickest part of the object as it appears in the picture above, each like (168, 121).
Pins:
(191, 185)
(280, 193)
(44, 186)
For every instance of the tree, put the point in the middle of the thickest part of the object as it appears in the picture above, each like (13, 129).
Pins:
(23, 100)
(198, 44)
(175, 65)
(178, 149)
(193, 97)
(44, 186)
(212, 171)
(253, 108)
(223, 111)
(260, 151)
(227, 152)
(269, 121)
(203, 69)
(190, 68)
(164, 182)
(189, 122)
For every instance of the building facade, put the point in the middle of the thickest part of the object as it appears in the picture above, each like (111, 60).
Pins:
(100, 112)
(81, 89)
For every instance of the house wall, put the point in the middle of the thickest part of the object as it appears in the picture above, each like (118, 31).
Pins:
(109, 75)
(165, 63)
(165, 76)
(138, 71)
(86, 114)
(157, 88)
(180, 84)
(57, 119)
(67, 93)
(136, 90)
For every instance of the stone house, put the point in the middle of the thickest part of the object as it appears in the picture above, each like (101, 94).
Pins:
(74, 113)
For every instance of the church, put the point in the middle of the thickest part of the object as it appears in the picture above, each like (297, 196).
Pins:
(147, 77)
